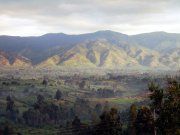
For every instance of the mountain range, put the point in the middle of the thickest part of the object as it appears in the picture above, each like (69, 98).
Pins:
(104, 49)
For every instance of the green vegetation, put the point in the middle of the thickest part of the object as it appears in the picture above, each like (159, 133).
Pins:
(125, 100)
(76, 104)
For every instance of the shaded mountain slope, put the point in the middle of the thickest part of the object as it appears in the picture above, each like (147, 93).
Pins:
(106, 49)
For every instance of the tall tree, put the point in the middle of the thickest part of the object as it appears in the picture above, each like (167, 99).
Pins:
(10, 104)
(82, 84)
(98, 108)
(45, 82)
(11, 111)
(168, 120)
(76, 124)
(110, 123)
(132, 119)
(58, 95)
(156, 97)
(144, 122)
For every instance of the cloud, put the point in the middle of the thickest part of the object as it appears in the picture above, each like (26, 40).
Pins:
(36, 17)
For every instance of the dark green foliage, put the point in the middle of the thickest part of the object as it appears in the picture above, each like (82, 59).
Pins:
(40, 99)
(33, 118)
(45, 82)
(10, 104)
(156, 96)
(58, 95)
(106, 107)
(166, 106)
(105, 93)
(132, 120)
(6, 128)
(168, 121)
(76, 122)
(161, 117)
(144, 122)
(82, 84)
(11, 111)
(110, 123)
(98, 108)
(5, 83)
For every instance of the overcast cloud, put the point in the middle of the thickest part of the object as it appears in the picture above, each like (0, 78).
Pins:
(37, 17)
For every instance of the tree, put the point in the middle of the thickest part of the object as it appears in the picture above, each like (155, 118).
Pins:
(10, 104)
(165, 104)
(11, 112)
(94, 118)
(45, 82)
(98, 108)
(76, 124)
(106, 106)
(82, 84)
(156, 97)
(40, 103)
(168, 119)
(110, 123)
(33, 117)
(58, 95)
(132, 119)
(40, 98)
(8, 129)
(144, 122)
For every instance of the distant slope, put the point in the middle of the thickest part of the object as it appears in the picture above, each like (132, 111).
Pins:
(13, 60)
(3, 59)
(105, 49)
(158, 40)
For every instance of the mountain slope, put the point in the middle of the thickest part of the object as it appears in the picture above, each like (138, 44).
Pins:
(3, 59)
(105, 49)
(13, 60)
(101, 53)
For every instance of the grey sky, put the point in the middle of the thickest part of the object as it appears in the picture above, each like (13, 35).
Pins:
(37, 17)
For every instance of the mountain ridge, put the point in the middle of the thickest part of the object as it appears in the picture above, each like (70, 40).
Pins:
(107, 49)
